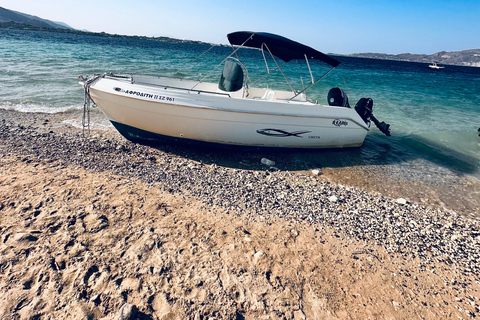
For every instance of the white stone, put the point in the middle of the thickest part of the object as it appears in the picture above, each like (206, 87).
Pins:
(455, 237)
(396, 305)
(258, 254)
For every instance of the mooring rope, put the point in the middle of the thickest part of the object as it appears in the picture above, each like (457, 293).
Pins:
(87, 101)
(86, 112)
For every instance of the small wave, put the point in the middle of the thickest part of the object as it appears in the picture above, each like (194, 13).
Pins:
(101, 125)
(39, 108)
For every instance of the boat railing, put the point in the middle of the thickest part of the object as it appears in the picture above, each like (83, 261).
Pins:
(131, 79)
(197, 91)
(263, 94)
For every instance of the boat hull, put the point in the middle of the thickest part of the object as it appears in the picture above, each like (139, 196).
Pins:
(146, 112)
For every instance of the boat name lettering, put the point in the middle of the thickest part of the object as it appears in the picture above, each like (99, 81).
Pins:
(145, 95)
(314, 137)
(157, 97)
(339, 123)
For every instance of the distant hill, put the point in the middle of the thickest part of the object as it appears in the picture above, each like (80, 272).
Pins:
(469, 58)
(9, 16)
(10, 19)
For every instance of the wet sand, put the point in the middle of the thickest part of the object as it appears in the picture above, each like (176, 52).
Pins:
(85, 229)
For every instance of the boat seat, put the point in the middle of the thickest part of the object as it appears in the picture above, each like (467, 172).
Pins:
(231, 79)
(268, 95)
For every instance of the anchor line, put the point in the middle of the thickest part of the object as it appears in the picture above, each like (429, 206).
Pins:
(87, 101)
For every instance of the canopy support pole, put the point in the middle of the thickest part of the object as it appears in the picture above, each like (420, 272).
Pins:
(308, 64)
(278, 66)
(230, 55)
(314, 83)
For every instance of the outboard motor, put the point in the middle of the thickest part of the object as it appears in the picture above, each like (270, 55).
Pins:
(364, 109)
(337, 98)
(232, 77)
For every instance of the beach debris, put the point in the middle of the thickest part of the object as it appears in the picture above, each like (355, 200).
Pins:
(267, 162)
(316, 172)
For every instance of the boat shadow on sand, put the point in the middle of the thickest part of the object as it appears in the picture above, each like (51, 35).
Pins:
(377, 150)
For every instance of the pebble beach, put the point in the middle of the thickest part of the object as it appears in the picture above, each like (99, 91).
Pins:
(93, 226)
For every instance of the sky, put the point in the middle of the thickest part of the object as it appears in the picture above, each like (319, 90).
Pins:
(331, 26)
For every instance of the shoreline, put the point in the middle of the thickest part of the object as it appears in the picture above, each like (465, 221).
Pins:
(178, 234)
(438, 188)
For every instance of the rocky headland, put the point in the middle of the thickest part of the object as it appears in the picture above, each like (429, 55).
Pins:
(468, 58)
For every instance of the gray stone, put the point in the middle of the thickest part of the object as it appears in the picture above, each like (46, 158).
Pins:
(127, 312)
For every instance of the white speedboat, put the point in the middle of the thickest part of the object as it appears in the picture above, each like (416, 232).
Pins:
(435, 65)
(232, 112)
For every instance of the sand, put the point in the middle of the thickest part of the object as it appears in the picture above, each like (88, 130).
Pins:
(79, 244)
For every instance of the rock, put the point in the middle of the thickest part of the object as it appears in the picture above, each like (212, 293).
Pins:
(127, 312)
(401, 201)
(316, 172)
(24, 207)
(95, 299)
(258, 254)
(38, 205)
(82, 312)
(22, 237)
(396, 305)
(94, 222)
(299, 315)
(333, 198)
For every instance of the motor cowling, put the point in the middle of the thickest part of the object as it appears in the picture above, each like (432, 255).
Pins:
(364, 108)
(338, 98)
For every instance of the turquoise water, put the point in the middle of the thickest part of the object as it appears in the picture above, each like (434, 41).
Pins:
(434, 114)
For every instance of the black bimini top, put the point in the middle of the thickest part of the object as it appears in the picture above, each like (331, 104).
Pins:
(279, 46)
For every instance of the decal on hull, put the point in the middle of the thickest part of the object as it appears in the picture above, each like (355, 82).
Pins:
(339, 123)
(281, 133)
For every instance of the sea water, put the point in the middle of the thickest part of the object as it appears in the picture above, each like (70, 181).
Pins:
(434, 114)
